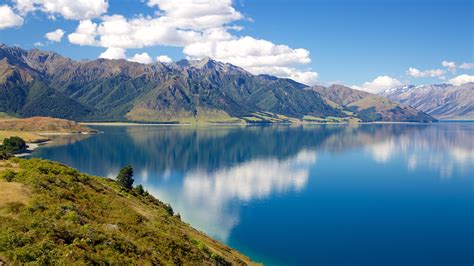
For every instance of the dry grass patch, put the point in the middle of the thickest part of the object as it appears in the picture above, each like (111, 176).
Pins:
(8, 165)
(43, 124)
(12, 192)
(26, 136)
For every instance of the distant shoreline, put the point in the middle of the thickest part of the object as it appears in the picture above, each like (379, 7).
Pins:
(32, 146)
(254, 124)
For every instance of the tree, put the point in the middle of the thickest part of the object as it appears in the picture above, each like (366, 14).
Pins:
(13, 144)
(125, 177)
(139, 190)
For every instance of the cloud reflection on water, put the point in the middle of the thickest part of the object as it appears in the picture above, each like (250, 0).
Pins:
(440, 150)
(244, 182)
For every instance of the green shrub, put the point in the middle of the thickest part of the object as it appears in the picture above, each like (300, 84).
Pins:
(8, 175)
(169, 209)
(139, 190)
(4, 155)
(125, 177)
(14, 144)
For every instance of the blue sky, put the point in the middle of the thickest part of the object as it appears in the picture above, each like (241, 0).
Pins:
(345, 41)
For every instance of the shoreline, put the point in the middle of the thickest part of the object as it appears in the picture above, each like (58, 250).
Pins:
(255, 124)
(32, 146)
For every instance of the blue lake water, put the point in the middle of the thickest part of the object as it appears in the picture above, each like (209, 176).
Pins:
(386, 194)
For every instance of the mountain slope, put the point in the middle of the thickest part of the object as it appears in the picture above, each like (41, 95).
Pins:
(370, 107)
(443, 101)
(23, 91)
(43, 83)
(52, 214)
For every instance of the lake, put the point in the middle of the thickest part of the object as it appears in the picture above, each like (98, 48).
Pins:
(373, 194)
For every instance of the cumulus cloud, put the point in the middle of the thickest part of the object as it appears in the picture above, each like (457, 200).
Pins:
(142, 58)
(413, 72)
(164, 59)
(451, 66)
(55, 36)
(461, 79)
(85, 33)
(466, 66)
(197, 15)
(141, 32)
(201, 29)
(69, 9)
(8, 18)
(257, 56)
(379, 84)
(113, 53)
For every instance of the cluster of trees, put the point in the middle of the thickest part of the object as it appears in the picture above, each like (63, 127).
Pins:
(125, 180)
(10, 146)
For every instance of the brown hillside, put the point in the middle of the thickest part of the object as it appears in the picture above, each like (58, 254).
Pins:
(43, 124)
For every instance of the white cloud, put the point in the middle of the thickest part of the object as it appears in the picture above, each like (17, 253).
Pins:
(256, 55)
(200, 27)
(8, 18)
(113, 53)
(55, 36)
(197, 15)
(69, 9)
(467, 66)
(142, 58)
(461, 79)
(85, 33)
(164, 59)
(38, 44)
(305, 77)
(117, 31)
(427, 73)
(379, 84)
(451, 66)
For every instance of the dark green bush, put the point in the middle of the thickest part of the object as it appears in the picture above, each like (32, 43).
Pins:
(139, 190)
(125, 177)
(14, 144)
(8, 175)
(4, 155)
(169, 209)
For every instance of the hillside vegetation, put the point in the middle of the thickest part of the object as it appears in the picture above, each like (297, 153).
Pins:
(53, 214)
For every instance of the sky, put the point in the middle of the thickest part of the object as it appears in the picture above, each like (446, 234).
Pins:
(371, 45)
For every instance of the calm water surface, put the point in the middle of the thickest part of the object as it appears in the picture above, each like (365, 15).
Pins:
(392, 194)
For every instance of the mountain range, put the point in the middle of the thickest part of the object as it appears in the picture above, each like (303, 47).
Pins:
(443, 101)
(40, 83)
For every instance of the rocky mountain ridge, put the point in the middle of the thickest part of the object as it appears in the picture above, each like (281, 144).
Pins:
(39, 83)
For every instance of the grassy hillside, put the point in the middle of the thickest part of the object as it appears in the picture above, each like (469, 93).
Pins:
(53, 214)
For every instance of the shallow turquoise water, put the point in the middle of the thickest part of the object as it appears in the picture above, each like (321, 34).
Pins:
(391, 194)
